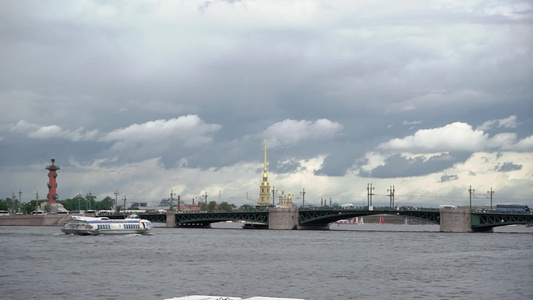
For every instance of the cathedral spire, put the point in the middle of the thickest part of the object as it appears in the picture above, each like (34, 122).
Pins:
(265, 167)
(264, 188)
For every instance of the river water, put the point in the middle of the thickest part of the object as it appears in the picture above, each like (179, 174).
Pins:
(347, 262)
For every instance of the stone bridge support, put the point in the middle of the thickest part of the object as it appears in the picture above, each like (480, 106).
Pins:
(283, 218)
(455, 220)
(458, 220)
(171, 219)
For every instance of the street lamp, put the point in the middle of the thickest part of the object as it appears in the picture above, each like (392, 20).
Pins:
(491, 192)
(471, 191)
(79, 201)
(89, 198)
(124, 205)
(116, 201)
(369, 190)
(172, 194)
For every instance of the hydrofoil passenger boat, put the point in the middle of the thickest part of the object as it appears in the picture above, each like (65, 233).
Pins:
(82, 225)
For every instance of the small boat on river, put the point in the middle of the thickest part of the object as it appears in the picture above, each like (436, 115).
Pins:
(82, 225)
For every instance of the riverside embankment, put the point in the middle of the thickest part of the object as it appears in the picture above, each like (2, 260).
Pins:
(32, 220)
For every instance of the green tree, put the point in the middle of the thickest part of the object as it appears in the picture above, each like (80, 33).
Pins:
(105, 204)
(30, 207)
(3, 205)
(67, 204)
(212, 205)
(225, 206)
(11, 204)
(246, 207)
(203, 206)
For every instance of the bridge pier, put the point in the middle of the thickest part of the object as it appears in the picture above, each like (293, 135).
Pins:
(171, 219)
(458, 220)
(283, 218)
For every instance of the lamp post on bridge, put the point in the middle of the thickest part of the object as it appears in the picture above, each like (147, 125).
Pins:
(491, 192)
(172, 194)
(369, 194)
(116, 201)
(471, 192)
(274, 195)
(124, 199)
(391, 191)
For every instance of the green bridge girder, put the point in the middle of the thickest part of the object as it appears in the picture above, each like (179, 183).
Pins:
(186, 218)
(480, 220)
(323, 216)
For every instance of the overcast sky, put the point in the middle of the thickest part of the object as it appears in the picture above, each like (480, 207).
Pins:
(145, 97)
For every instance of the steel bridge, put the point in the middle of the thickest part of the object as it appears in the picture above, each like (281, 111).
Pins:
(484, 220)
(311, 217)
(204, 219)
(323, 216)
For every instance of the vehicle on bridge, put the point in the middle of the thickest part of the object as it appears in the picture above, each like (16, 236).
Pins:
(447, 206)
(512, 207)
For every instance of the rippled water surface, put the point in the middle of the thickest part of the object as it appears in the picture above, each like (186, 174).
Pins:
(347, 262)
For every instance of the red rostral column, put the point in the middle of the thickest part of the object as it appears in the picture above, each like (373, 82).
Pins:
(52, 184)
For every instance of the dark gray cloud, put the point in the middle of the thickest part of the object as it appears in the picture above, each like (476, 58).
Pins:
(445, 178)
(399, 166)
(375, 74)
(508, 167)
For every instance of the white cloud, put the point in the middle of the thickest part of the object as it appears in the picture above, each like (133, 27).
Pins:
(190, 130)
(523, 145)
(457, 136)
(509, 122)
(502, 141)
(415, 122)
(53, 131)
(24, 126)
(291, 132)
(452, 137)
(46, 132)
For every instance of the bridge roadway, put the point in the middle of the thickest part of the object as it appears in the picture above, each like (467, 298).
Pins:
(320, 217)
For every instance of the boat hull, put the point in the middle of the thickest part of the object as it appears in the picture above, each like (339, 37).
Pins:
(104, 231)
(81, 225)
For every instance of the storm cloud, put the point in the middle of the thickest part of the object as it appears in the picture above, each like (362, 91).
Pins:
(149, 96)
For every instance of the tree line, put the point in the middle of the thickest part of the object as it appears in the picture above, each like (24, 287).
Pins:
(80, 202)
(73, 204)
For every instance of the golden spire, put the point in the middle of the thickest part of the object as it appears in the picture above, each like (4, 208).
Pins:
(265, 167)
(265, 174)
(264, 188)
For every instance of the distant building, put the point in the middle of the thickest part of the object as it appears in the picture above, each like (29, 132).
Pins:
(285, 200)
(139, 204)
(164, 203)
